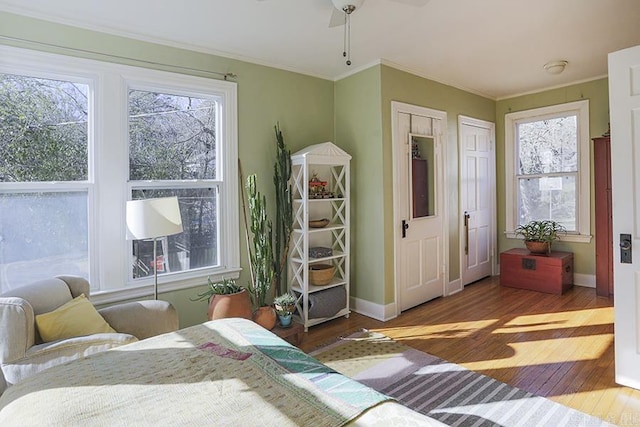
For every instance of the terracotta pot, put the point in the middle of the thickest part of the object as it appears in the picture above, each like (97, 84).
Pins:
(231, 305)
(265, 317)
(537, 247)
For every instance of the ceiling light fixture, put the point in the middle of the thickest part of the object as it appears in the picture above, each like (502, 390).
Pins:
(555, 67)
(348, 7)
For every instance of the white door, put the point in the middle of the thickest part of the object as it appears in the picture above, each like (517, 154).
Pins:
(624, 99)
(419, 207)
(477, 194)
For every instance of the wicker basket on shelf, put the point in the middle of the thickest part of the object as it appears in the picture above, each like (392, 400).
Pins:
(321, 274)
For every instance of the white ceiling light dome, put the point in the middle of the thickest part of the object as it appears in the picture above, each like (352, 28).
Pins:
(555, 67)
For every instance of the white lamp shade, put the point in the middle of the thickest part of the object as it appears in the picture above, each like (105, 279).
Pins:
(151, 218)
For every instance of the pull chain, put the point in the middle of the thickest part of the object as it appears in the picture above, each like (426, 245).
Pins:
(346, 41)
(348, 31)
(344, 35)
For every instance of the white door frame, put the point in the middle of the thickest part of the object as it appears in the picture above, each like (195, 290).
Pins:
(465, 120)
(398, 148)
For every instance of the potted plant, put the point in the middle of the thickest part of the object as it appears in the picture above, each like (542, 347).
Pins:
(260, 256)
(285, 305)
(267, 259)
(226, 299)
(539, 235)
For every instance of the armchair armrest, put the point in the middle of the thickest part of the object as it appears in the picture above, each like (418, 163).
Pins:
(17, 330)
(142, 319)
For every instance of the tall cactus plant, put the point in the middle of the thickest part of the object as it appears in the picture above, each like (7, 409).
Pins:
(261, 257)
(268, 257)
(284, 211)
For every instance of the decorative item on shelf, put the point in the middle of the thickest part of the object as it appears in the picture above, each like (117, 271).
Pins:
(320, 252)
(539, 235)
(318, 188)
(285, 306)
(321, 274)
(226, 299)
(318, 223)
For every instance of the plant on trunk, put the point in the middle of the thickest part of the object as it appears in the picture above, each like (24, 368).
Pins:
(539, 235)
(540, 231)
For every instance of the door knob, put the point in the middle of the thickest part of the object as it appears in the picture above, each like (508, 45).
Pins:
(625, 249)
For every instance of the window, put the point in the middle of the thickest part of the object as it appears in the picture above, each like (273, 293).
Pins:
(173, 152)
(44, 178)
(78, 138)
(547, 167)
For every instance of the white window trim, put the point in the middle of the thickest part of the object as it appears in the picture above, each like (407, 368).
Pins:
(583, 190)
(107, 181)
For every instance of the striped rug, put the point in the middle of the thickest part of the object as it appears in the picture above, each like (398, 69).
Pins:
(445, 391)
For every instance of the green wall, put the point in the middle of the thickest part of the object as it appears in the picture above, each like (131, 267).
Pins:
(359, 132)
(303, 105)
(355, 113)
(411, 89)
(597, 92)
(363, 128)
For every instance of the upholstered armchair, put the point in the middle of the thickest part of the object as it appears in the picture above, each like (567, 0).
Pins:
(22, 350)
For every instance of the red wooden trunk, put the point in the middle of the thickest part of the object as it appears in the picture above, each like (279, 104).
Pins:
(551, 273)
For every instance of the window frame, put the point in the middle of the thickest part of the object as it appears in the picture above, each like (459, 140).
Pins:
(583, 187)
(108, 184)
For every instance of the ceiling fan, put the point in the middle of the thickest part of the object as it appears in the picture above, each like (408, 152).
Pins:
(341, 15)
(347, 7)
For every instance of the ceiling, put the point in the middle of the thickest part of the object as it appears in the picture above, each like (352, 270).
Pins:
(496, 48)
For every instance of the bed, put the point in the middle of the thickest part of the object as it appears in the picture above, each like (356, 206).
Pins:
(223, 372)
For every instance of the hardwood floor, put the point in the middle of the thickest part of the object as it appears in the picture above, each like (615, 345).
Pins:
(560, 347)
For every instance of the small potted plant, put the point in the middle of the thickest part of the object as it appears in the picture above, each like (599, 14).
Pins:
(226, 299)
(285, 305)
(539, 235)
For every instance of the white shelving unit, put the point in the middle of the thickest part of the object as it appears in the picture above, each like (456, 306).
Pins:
(328, 163)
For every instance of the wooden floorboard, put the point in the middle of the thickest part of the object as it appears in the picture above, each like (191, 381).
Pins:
(556, 346)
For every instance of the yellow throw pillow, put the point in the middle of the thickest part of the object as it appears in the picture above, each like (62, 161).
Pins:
(76, 318)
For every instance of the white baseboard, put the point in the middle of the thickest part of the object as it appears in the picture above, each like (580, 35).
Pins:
(371, 309)
(454, 287)
(387, 312)
(586, 280)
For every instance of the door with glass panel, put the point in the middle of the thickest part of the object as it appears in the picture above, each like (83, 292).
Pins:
(419, 204)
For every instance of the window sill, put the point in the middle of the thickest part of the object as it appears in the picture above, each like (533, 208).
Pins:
(144, 289)
(571, 238)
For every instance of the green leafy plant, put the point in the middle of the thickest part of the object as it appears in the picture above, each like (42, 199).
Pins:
(224, 287)
(540, 231)
(285, 304)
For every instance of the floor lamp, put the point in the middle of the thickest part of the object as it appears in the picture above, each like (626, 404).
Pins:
(151, 219)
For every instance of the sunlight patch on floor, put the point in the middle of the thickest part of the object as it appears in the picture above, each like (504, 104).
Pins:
(591, 348)
(550, 321)
(441, 330)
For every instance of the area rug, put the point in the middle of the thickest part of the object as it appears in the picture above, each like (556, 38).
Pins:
(442, 390)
